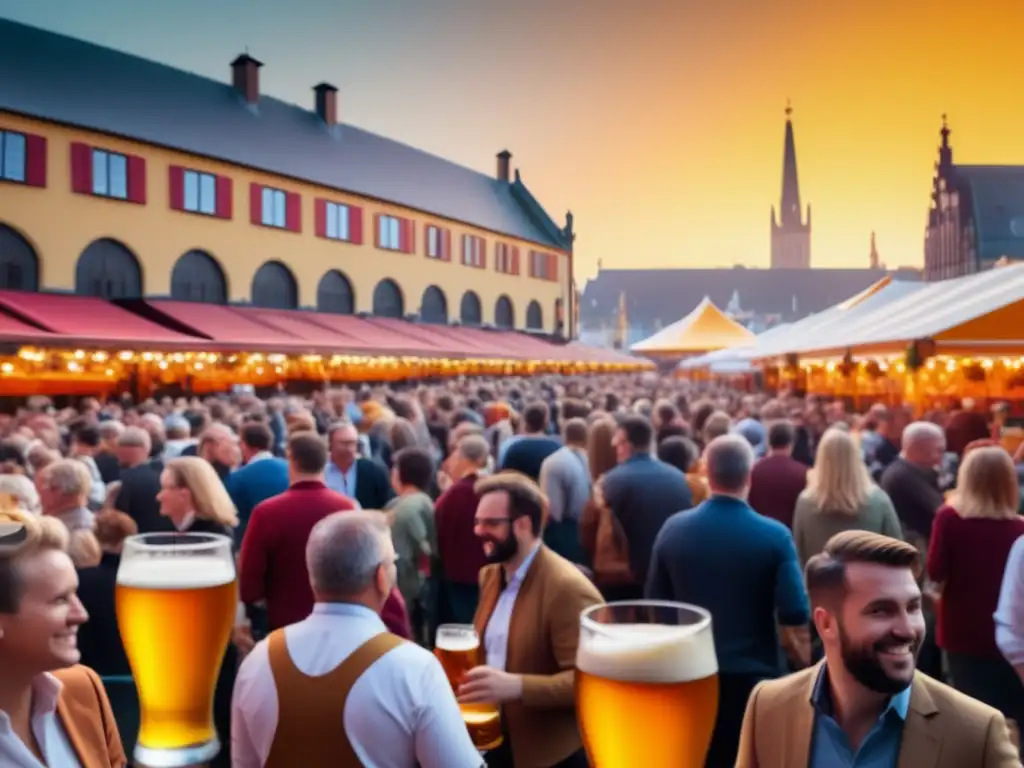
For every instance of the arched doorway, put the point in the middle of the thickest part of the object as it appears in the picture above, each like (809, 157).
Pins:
(198, 277)
(274, 287)
(107, 269)
(534, 316)
(504, 313)
(434, 305)
(559, 317)
(334, 294)
(388, 300)
(470, 312)
(19, 264)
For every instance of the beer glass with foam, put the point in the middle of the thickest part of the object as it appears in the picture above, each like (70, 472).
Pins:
(176, 597)
(646, 684)
(457, 647)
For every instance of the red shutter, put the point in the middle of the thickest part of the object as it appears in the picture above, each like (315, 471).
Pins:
(35, 160)
(483, 253)
(176, 178)
(137, 179)
(81, 168)
(320, 216)
(225, 194)
(355, 224)
(255, 203)
(293, 211)
(410, 239)
(446, 252)
(376, 229)
(403, 235)
(553, 267)
(426, 243)
(515, 261)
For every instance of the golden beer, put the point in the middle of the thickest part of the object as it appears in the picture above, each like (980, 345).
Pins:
(176, 605)
(457, 647)
(646, 688)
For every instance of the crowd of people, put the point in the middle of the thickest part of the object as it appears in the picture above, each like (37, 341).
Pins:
(864, 571)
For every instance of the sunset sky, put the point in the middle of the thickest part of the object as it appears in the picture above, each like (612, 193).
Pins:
(658, 122)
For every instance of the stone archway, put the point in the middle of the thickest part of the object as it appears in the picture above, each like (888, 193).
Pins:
(534, 316)
(504, 313)
(109, 270)
(334, 294)
(19, 263)
(198, 277)
(470, 311)
(434, 306)
(274, 287)
(388, 300)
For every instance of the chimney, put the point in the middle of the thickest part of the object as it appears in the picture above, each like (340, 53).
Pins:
(245, 77)
(504, 159)
(327, 103)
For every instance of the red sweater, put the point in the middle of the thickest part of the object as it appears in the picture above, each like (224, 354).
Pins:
(968, 556)
(461, 552)
(273, 559)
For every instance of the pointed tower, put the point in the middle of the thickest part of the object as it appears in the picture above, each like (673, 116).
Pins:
(791, 233)
(876, 263)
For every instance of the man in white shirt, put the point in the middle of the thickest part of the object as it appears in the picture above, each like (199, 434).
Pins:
(341, 667)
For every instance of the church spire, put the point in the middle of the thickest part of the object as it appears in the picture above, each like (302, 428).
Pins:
(876, 262)
(790, 211)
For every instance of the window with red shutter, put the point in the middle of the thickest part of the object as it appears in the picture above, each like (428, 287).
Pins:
(225, 194)
(410, 237)
(255, 203)
(81, 168)
(176, 180)
(447, 252)
(293, 211)
(35, 160)
(355, 224)
(515, 261)
(392, 233)
(553, 267)
(275, 208)
(137, 179)
(320, 217)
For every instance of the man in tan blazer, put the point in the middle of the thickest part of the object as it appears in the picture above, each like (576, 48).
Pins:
(52, 711)
(866, 699)
(528, 619)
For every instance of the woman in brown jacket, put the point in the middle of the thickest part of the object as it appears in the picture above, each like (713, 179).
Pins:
(600, 535)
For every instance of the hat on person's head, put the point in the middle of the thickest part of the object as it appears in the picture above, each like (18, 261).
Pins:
(752, 431)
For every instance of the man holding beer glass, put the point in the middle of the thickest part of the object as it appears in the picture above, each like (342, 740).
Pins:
(528, 619)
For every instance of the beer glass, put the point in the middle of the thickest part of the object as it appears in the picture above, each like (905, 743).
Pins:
(457, 647)
(175, 597)
(646, 684)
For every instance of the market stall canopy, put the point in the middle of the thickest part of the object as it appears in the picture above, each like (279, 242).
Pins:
(979, 313)
(834, 322)
(733, 358)
(706, 328)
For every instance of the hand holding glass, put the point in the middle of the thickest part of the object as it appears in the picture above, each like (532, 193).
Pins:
(457, 647)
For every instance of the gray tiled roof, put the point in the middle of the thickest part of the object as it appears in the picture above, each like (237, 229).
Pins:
(58, 78)
(662, 296)
(996, 193)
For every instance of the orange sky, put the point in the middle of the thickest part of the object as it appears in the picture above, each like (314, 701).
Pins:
(659, 122)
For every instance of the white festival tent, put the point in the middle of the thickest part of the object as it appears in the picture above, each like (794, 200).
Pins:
(732, 360)
(922, 313)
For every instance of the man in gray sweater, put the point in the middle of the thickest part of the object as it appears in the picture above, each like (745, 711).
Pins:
(565, 480)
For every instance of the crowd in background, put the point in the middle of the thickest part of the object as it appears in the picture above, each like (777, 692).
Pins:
(616, 458)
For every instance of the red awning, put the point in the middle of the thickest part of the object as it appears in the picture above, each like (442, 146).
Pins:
(12, 329)
(89, 320)
(443, 339)
(374, 337)
(229, 327)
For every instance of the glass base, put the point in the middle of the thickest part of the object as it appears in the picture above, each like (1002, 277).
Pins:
(180, 757)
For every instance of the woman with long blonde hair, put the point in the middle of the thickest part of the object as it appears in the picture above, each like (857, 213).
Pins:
(193, 497)
(840, 496)
(969, 545)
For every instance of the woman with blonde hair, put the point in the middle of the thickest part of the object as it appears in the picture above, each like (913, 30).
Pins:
(970, 543)
(840, 496)
(601, 537)
(193, 497)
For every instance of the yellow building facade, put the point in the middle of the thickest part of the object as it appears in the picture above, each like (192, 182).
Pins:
(86, 201)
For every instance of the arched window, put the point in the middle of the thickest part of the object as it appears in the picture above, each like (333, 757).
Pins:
(334, 294)
(274, 287)
(504, 313)
(388, 300)
(559, 317)
(534, 316)
(19, 264)
(434, 305)
(107, 269)
(470, 312)
(198, 277)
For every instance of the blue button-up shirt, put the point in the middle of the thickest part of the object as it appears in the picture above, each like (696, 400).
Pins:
(496, 634)
(880, 748)
(341, 482)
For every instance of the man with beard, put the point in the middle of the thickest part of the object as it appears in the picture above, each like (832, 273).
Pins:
(529, 619)
(864, 704)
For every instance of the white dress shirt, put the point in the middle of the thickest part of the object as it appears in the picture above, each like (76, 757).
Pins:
(46, 727)
(400, 712)
(496, 634)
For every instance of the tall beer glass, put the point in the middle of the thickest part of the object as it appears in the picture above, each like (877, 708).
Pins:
(646, 684)
(176, 596)
(457, 647)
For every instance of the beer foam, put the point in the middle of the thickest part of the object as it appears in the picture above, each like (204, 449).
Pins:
(456, 643)
(649, 653)
(175, 572)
